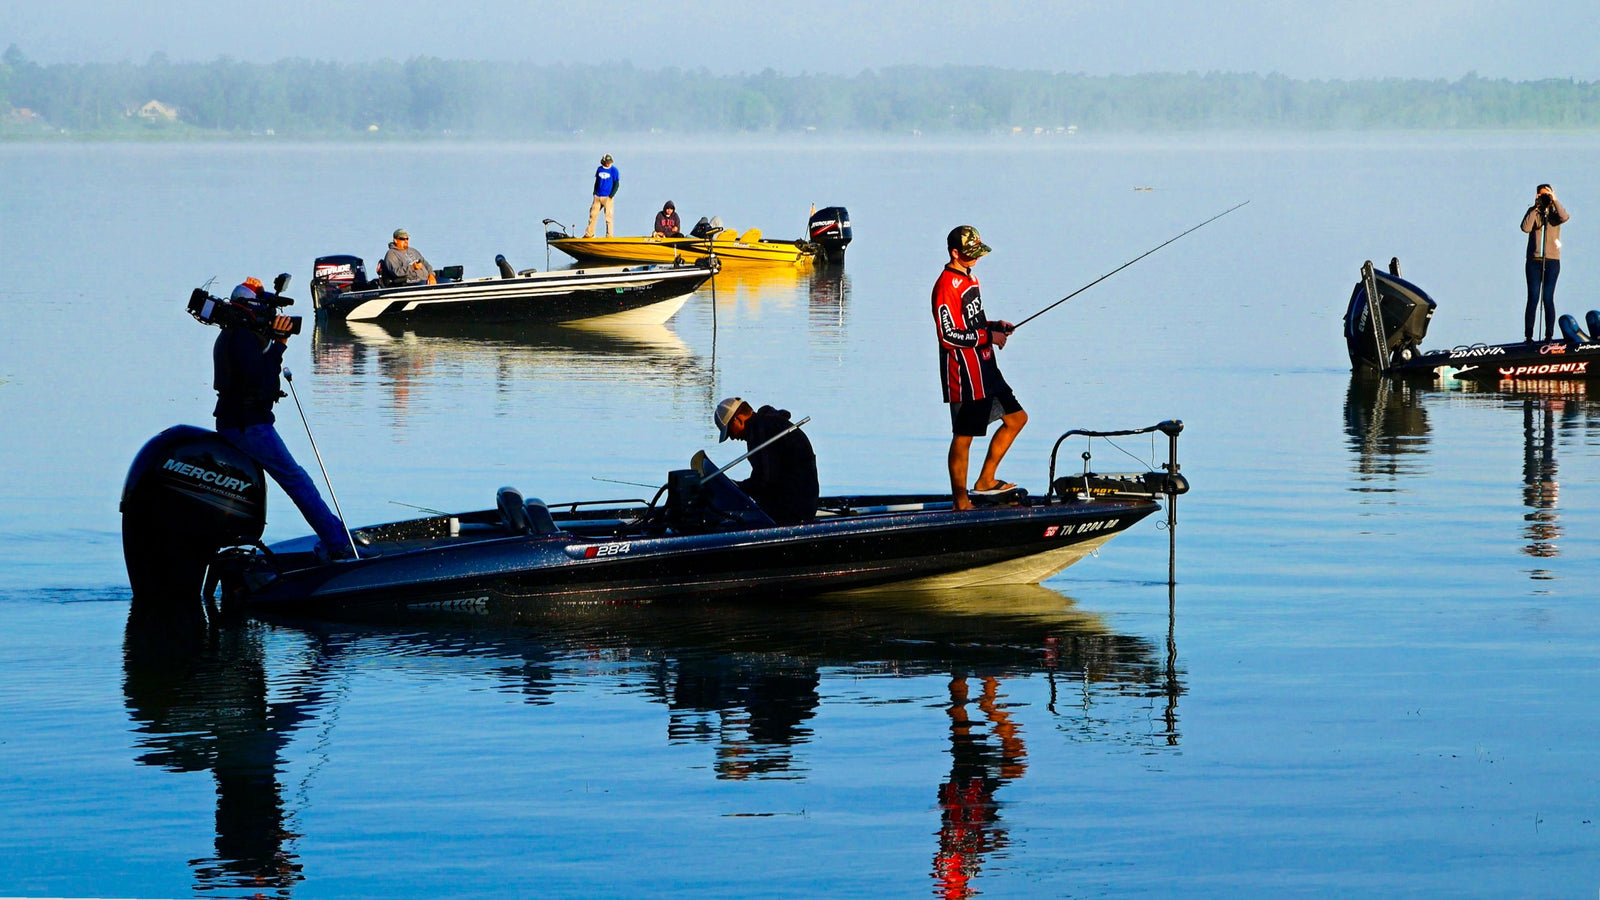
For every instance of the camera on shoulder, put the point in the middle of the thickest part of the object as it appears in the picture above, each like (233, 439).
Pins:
(259, 314)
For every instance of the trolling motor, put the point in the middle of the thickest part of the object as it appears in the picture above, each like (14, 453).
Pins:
(829, 229)
(188, 494)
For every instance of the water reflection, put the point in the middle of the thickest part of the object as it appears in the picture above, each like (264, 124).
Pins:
(198, 694)
(412, 362)
(744, 680)
(1388, 428)
(1386, 423)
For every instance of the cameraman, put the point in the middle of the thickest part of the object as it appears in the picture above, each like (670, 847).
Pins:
(1543, 222)
(247, 362)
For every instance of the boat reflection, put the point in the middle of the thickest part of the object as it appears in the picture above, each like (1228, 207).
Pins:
(199, 697)
(746, 681)
(1386, 421)
(406, 360)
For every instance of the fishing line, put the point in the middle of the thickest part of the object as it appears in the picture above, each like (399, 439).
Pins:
(1124, 266)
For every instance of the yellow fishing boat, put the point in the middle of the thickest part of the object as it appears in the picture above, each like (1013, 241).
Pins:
(728, 245)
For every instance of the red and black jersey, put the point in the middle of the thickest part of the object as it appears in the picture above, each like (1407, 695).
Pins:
(966, 352)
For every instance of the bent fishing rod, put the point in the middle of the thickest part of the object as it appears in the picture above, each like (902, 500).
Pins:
(1124, 266)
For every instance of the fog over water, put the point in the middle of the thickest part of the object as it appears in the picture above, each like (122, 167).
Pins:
(1357, 39)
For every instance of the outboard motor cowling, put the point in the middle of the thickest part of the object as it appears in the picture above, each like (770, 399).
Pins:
(336, 274)
(1380, 334)
(188, 494)
(830, 230)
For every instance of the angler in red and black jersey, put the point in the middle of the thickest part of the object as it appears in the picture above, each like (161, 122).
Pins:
(973, 386)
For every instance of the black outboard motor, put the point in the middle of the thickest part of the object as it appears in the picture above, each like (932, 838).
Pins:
(189, 493)
(1387, 332)
(829, 229)
(331, 275)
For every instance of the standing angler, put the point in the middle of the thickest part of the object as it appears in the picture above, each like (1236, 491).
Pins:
(973, 386)
(1543, 222)
(606, 182)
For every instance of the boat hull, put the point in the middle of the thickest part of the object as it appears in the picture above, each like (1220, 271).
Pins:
(1556, 360)
(920, 541)
(623, 295)
(663, 250)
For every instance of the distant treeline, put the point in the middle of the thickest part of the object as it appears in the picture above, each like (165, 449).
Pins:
(427, 96)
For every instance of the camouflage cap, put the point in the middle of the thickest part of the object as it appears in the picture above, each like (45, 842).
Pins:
(965, 240)
(605, 160)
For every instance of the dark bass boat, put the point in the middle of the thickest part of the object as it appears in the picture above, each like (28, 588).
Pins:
(620, 295)
(194, 510)
(1388, 317)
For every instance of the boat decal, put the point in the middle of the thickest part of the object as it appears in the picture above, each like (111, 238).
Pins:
(457, 604)
(206, 476)
(599, 551)
(1080, 528)
(1464, 352)
(1553, 348)
(1562, 368)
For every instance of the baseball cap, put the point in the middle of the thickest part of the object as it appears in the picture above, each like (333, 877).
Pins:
(605, 160)
(401, 233)
(726, 410)
(964, 238)
(243, 292)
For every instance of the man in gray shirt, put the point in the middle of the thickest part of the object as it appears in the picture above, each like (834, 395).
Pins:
(403, 265)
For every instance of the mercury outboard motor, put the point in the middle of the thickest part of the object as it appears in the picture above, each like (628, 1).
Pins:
(829, 229)
(188, 494)
(1386, 320)
(336, 274)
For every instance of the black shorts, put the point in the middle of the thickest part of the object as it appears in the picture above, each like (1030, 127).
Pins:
(972, 417)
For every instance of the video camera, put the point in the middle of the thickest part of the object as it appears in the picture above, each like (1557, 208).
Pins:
(259, 315)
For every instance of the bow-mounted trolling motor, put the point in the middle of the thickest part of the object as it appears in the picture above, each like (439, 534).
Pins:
(830, 230)
(188, 494)
(1164, 481)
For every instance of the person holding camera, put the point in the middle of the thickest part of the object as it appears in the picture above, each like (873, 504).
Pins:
(247, 360)
(1542, 223)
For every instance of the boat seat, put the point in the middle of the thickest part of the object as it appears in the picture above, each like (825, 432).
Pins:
(523, 517)
(728, 235)
(1571, 331)
(753, 236)
(1594, 322)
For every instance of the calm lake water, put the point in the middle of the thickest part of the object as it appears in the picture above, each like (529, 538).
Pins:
(1378, 674)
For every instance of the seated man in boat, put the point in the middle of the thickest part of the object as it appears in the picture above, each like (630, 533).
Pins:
(404, 265)
(667, 224)
(783, 480)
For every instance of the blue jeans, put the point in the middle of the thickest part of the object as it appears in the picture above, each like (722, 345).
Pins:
(1542, 274)
(262, 444)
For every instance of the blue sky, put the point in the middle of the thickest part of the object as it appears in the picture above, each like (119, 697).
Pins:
(1330, 39)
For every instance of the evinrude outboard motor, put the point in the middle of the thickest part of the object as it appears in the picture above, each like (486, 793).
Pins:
(189, 493)
(1386, 320)
(331, 275)
(829, 229)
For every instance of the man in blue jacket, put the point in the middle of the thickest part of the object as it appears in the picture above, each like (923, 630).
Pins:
(606, 182)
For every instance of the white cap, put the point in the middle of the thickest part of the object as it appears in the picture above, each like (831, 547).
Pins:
(726, 410)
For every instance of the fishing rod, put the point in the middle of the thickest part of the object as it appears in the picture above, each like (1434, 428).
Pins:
(289, 377)
(1124, 266)
(718, 470)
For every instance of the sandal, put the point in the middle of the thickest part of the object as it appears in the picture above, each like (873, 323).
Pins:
(999, 488)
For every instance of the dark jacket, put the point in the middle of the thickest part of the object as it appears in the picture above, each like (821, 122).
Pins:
(783, 479)
(246, 367)
(668, 224)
